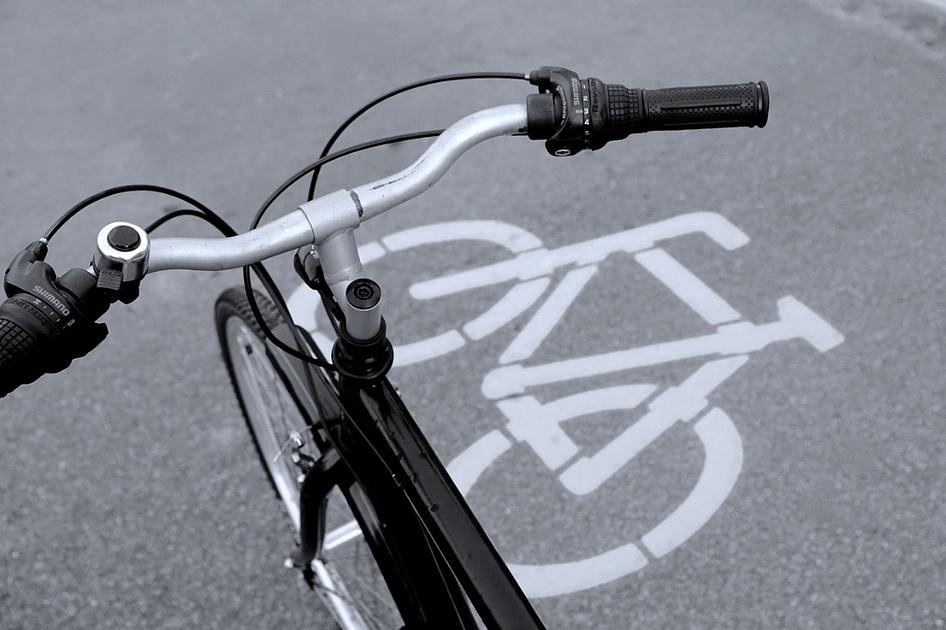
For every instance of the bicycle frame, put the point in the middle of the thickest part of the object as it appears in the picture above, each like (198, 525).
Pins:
(427, 521)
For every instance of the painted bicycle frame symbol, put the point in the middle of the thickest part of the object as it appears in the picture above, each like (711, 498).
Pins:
(540, 425)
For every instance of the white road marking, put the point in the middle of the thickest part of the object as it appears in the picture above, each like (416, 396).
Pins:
(544, 580)
(722, 465)
(542, 262)
(686, 286)
(539, 425)
(369, 252)
(542, 426)
(509, 307)
(548, 315)
(429, 348)
(721, 468)
(302, 304)
(467, 467)
(796, 321)
(531, 263)
(548, 580)
(675, 404)
(809, 325)
(512, 237)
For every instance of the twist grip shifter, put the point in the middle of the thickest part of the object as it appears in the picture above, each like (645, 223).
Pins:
(573, 114)
(46, 322)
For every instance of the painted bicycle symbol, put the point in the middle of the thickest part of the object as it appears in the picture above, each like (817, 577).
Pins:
(542, 425)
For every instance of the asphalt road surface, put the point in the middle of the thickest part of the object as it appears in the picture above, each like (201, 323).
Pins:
(809, 492)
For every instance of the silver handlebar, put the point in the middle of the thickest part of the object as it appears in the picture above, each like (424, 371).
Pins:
(383, 194)
(323, 220)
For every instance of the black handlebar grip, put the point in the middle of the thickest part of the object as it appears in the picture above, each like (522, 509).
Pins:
(17, 356)
(573, 114)
(698, 107)
(736, 105)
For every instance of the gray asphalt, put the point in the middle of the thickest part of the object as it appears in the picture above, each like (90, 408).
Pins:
(129, 493)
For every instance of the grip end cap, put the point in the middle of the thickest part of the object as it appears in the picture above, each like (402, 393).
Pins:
(763, 104)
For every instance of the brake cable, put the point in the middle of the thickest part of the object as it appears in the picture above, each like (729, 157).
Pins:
(404, 88)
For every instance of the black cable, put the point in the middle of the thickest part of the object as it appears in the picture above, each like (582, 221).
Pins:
(317, 284)
(183, 212)
(108, 192)
(270, 285)
(247, 284)
(431, 133)
(404, 88)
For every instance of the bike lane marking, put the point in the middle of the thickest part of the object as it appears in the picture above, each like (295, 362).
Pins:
(539, 425)
(548, 315)
(721, 467)
(512, 237)
(675, 404)
(796, 321)
(551, 579)
(540, 262)
(685, 285)
(509, 307)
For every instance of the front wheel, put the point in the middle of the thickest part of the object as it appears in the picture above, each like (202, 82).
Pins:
(347, 578)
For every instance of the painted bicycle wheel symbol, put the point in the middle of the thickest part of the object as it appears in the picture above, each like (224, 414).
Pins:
(540, 426)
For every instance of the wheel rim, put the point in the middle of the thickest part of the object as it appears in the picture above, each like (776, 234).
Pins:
(269, 408)
(273, 415)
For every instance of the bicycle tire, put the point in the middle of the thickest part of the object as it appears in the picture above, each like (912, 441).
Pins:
(353, 573)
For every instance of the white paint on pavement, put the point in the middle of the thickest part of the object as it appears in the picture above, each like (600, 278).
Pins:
(510, 236)
(686, 286)
(539, 425)
(467, 467)
(675, 404)
(542, 427)
(796, 322)
(548, 315)
(540, 262)
(429, 348)
(370, 252)
(548, 580)
(721, 467)
(509, 307)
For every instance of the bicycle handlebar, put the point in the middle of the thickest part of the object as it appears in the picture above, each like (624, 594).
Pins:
(47, 321)
(320, 218)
